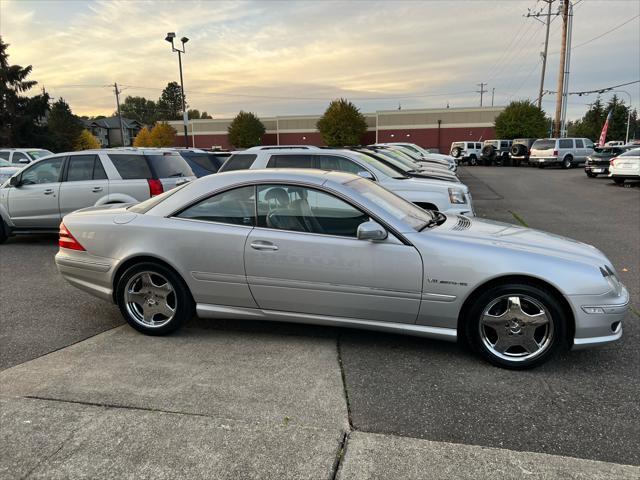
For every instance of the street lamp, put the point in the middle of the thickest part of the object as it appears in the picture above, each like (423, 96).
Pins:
(185, 118)
(626, 140)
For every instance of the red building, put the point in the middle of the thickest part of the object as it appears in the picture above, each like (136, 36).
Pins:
(429, 128)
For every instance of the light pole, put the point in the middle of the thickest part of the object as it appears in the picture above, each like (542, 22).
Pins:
(626, 139)
(169, 38)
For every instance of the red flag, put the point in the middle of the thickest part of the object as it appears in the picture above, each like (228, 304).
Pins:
(605, 127)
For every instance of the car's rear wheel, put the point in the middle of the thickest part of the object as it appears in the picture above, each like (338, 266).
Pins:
(567, 162)
(473, 160)
(516, 326)
(154, 299)
(619, 181)
(4, 232)
(591, 174)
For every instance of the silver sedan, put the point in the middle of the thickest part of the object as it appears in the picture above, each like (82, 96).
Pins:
(332, 248)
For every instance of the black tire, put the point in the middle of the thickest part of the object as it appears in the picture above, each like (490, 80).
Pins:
(591, 174)
(567, 162)
(456, 152)
(473, 160)
(4, 232)
(555, 332)
(518, 150)
(184, 306)
(618, 181)
(541, 166)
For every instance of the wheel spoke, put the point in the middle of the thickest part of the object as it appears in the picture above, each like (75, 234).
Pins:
(145, 281)
(165, 310)
(148, 312)
(136, 297)
(537, 320)
(503, 343)
(514, 308)
(529, 343)
(494, 321)
(163, 290)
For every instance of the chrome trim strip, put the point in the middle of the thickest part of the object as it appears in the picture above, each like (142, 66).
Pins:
(219, 277)
(438, 297)
(224, 311)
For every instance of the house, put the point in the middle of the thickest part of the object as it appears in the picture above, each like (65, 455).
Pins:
(107, 130)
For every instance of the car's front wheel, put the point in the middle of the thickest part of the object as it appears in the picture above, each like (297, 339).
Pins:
(516, 326)
(591, 174)
(153, 299)
(618, 181)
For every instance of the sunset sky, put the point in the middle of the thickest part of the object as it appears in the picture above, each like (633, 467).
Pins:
(292, 57)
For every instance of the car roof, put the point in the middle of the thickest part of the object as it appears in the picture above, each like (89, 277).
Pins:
(281, 147)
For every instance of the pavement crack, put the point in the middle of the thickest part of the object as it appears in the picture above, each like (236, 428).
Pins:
(344, 382)
(342, 451)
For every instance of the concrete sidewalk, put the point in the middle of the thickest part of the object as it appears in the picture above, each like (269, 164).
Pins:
(221, 404)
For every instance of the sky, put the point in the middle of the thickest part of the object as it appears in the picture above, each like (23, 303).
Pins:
(292, 57)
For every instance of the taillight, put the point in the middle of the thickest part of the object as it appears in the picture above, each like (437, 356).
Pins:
(612, 162)
(555, 153)
(67, 240)
(155, 187)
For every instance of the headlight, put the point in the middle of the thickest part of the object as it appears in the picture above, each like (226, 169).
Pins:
(456, 196)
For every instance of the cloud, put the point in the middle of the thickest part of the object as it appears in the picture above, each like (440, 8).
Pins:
(322, 49)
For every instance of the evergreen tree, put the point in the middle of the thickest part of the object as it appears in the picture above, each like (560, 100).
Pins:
(342, 124)
(170, 102)
(246, 130)
(64, 127)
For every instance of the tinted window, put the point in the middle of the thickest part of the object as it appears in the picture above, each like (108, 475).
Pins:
(47, 171)
(331, 162)
(579, 144)
(290, 161)
(233, 206)
(131, 166)
(544, 144)
(300, 209)
(80, 168)
(169, 165)
(4, 155)
(565, 143)
(98, 170)
(504, 144)
(208, 161)
(17, 156)
(239, 161)
(632, 153)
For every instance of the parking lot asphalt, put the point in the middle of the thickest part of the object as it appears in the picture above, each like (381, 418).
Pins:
(584, 404)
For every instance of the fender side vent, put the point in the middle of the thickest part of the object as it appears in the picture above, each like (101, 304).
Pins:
(463, 223)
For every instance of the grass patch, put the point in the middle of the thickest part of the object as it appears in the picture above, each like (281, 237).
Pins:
(634, 310)
(519, 219)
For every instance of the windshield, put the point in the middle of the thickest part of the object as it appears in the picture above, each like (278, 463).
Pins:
(4, 163)
(544, 144)
(36, 154)
(632, 153)
(405, 151)
(399, 208)
(397, 161)
(169, 164)
(379, 166)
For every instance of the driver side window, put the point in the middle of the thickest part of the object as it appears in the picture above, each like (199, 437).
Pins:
(302, 209)
(46, 171)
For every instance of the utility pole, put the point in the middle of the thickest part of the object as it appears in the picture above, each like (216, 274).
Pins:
(567, 66)
(563, 53)
(482, 91)
(547, 23)
(115, 87)
(493, 94)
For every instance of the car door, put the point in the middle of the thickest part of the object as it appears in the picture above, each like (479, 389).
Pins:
(84, 183)
(304, 257)
(34, 203)
(581, 154)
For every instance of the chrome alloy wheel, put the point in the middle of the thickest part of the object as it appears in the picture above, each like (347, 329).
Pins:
(150, 299)
(516, 328)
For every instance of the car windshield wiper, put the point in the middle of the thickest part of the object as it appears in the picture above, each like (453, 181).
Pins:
(434, 222)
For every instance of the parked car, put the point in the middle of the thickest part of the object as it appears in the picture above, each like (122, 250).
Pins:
(241, 245)
(203, 162)
(566, 152)
(520, 150)
(408, 167)
(409, 160)
(431, 159)
(7, 170)
(598, 162)
(37, 197)
(423, 154)
(495, 152)
(23, 156)
(466, 152)
(625, 166)
(426, 193)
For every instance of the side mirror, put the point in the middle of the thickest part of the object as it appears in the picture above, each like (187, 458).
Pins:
(24, 161)
(371, 231)
(365, 174)
(15, 181)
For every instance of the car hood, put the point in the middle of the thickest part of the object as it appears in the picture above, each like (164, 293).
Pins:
(519, 238)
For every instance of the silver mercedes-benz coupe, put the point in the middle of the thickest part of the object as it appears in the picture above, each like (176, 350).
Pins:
(333, 248)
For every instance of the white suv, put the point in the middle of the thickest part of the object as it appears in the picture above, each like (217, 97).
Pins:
(37, 197)
(23, 156)
(566, 152)
(468, 152)
(430, 194)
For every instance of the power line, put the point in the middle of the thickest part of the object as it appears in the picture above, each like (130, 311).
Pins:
(606, 33)
(597, 90)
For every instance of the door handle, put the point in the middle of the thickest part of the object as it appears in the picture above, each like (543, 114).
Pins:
(259, 245)
(48, 191)
(97, 189)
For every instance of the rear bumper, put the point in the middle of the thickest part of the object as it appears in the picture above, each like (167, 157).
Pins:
(598, 318)
(543, 160)
(86, 272)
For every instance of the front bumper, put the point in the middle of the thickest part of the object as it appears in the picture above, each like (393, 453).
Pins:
(595, 168)
(598, 318)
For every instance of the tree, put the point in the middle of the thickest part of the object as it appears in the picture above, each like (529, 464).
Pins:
(196, 115)
(590, 125)
(246, 130)
(20, 116)
(342, 124)
(143, 139)
(170, 102)
(163, 135)
(64, 126)
(521, 119)
(86, 141)
(141, 109)
(205, 115)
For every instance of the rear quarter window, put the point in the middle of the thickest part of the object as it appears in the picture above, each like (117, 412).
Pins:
(169, 165)
(290, 161)
(130, 166)
(239, 161)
